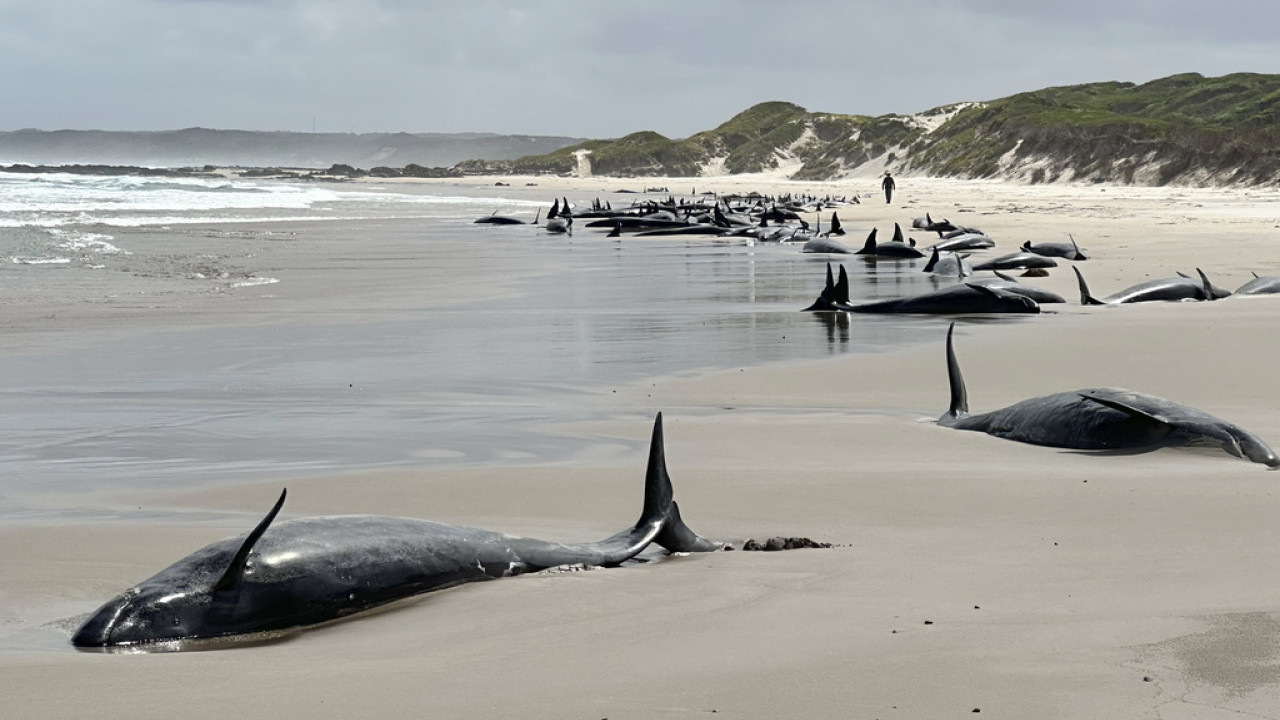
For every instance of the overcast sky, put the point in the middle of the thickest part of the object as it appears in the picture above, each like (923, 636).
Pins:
(581, 68)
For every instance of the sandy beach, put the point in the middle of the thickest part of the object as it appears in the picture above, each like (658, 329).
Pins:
(969, 574)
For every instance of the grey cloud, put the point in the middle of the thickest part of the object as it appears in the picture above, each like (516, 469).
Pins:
(580, 68)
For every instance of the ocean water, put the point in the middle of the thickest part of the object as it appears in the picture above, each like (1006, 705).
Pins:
(477, 384)
(61, 218)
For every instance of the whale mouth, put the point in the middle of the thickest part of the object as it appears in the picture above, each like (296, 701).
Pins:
(175, 645)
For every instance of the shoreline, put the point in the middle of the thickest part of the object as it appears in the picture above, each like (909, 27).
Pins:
(970, 572)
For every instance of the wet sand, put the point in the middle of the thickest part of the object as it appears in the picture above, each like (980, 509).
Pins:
(971, 573)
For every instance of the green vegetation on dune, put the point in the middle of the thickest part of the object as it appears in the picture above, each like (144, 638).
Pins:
(1183, 128)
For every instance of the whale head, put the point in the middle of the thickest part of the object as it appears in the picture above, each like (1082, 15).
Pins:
(200, 596)
(147, 613)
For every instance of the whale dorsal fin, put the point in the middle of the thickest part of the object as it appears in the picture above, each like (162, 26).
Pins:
(1206, 286)
(235, 571)
(959, 395)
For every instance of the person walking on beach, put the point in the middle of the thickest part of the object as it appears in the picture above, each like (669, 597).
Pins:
(888, 186)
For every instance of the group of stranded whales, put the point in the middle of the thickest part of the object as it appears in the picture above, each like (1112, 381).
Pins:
(759, 217)
(288, 575)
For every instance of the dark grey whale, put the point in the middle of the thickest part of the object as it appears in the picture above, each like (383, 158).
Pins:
(1067, 251)
(1008, 284)
(825, 245)
(892, 249)
(496, 219)
(964, 241)
(309, 570)
(955, 300)
(1101, 419)
(1162, 289)
(1017, 261)
(1260, 285)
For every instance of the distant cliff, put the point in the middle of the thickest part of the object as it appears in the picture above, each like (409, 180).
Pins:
(1185, 129)
(201, 146)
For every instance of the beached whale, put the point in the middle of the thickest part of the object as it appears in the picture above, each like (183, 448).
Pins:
(560, 218)
(955, 265)
(963, 240)
(1017, 261)
(309, 570)
(825, 245)
(929, 224)
(1260, 285)
(496, 219)
(1008, 284)
(894, 249)
(955, 300)
(1101, 419)
(1066, 251)
(1161, 289)
(952, 264)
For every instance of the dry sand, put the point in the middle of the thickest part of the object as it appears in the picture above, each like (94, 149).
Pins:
(971, 573)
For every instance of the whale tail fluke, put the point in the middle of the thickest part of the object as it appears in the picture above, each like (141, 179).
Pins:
(827, 298)
(841, 294)
(678, 537)
(1085, 297)
(660, 506)
(959, 396)
(659, 520)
